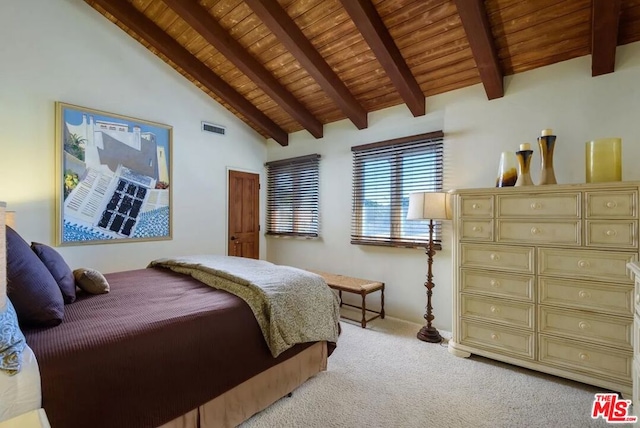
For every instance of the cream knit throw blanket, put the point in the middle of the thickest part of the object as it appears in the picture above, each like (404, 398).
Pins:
(291, 305)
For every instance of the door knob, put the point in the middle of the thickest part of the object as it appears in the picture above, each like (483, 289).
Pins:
(233, 238)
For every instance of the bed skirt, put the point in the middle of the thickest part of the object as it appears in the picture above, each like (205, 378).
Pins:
(250, 397)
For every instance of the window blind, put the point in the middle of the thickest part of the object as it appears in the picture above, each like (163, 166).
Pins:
(384, 174)
(292, 196)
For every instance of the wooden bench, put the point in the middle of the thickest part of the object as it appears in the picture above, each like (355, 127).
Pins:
(356, 286)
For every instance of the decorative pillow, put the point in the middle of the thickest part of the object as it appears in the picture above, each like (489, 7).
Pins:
(59, 269)
(34, 293)
(91, 281)
(12, 340)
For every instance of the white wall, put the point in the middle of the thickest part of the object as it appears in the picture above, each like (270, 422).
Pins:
(63, 50)
(563, 97)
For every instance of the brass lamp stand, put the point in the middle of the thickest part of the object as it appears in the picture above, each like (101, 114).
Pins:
(429, 333)
(429, 206)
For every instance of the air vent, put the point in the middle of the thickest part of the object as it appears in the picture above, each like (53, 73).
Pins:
(215, 129)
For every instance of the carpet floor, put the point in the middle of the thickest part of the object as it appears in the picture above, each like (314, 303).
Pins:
(382, 376)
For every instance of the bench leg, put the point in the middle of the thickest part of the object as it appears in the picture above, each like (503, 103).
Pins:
(382, 303)
(363, 323)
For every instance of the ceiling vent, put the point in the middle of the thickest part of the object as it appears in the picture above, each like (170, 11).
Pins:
(214, 129)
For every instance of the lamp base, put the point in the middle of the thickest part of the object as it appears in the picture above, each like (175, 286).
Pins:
(429, 334)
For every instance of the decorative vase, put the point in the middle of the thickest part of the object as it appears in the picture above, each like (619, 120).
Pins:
(507, 172)
(547, 142)
(524, 162)
(603, 160)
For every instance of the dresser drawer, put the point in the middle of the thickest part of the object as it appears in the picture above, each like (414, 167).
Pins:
(609, 266)
(605, 329)
(498, 339)
(602, 361)
(539, 232)
(497, 310)
(476, 230)
(612, 233)
(476, 206)
(539, 205)
(612, 298)
(612, 204)
(497, 284)
(502, 257)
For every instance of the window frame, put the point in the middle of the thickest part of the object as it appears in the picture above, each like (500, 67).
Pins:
(295, 166)
(395, 151)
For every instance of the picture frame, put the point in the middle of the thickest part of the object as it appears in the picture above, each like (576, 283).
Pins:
(113, 177)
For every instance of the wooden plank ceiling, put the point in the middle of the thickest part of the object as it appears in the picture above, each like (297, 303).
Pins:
(288, 65)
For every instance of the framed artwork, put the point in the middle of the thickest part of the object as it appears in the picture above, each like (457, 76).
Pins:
(113, 177)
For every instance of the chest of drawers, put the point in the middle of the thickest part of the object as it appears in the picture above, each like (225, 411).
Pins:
(635, 269)
(541, 279)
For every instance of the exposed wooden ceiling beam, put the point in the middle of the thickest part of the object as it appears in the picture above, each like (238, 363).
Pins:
(366, 18)
(201, 21)
(605, 17)
(135, 20)
(476, 24)
(290, 35)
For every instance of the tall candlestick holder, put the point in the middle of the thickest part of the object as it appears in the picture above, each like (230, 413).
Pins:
(524, 163)
(547, 143)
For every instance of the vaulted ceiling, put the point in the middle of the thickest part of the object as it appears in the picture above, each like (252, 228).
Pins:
(288, 65)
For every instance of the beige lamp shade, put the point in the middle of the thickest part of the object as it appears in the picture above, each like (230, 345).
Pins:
(3, 258)
(429, 205)
(10, 219)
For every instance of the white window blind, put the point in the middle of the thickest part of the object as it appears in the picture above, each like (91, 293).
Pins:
(384, 174)
(292, 196)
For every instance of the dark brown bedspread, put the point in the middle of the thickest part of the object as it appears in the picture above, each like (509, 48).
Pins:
(158, 345)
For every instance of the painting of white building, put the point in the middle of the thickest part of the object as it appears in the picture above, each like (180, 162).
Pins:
(116, 176)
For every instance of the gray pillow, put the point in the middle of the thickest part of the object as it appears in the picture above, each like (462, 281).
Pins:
(91, 281)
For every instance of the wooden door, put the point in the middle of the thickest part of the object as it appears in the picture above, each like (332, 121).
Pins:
(244, 214)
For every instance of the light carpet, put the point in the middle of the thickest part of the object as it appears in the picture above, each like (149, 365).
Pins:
(382, 376)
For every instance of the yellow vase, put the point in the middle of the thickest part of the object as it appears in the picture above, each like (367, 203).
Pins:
(603, 160)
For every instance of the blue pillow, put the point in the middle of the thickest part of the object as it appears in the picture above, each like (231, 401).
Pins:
(12, 341)
(58, 268)
(33, 291)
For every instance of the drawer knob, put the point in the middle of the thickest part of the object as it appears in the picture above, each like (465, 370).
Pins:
(494, 336)
(475, 206)
(611, 232)
(584, 294)
(494, 309)
(535, 231)
(477, 228)
(496, 284)
(584, 356)
(583, 264)
(611, 204)
(495, 257)
(536, 205)
(584, 325)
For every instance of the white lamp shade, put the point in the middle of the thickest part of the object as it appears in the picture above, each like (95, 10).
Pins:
(428, 205)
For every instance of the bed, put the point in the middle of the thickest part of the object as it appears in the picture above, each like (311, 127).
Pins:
(164, 349)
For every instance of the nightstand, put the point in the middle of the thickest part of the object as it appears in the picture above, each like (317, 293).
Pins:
(32, 419)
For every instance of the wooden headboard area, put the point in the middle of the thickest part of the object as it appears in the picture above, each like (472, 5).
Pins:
(3, 256)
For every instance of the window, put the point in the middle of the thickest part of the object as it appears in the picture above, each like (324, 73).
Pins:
(384, 174)
(292, 196)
